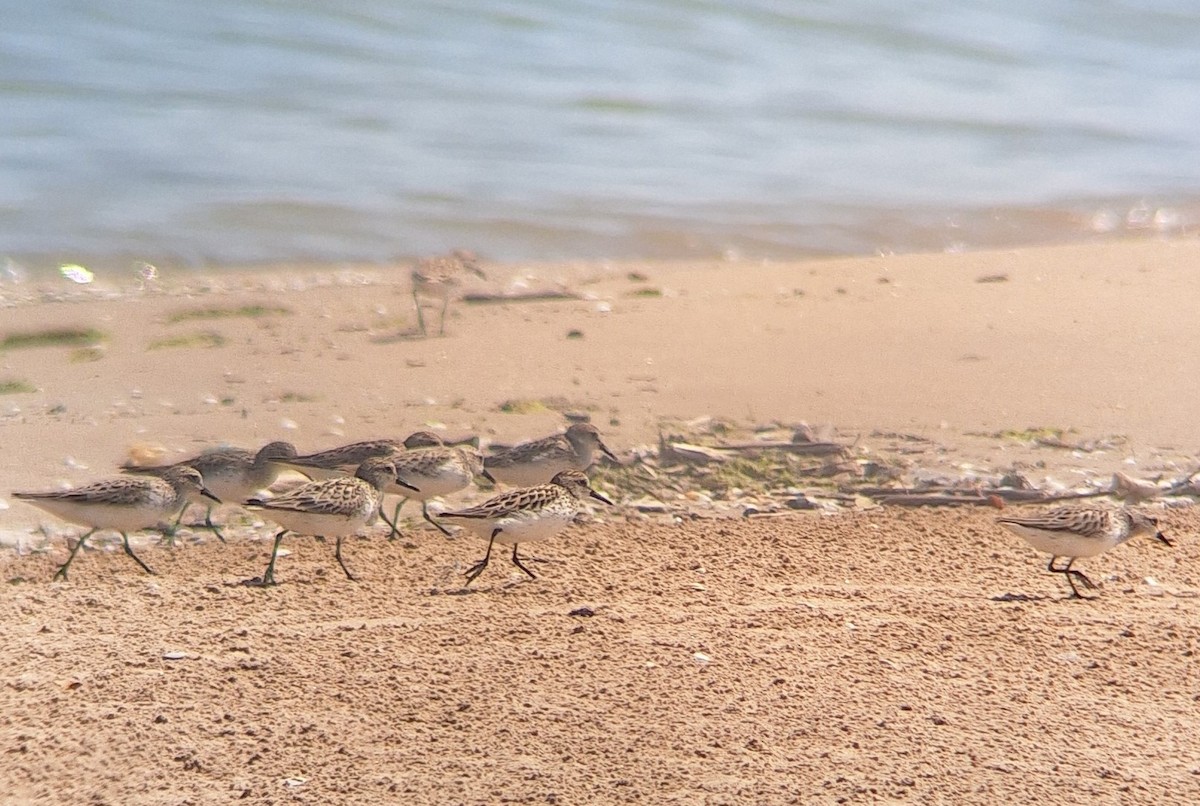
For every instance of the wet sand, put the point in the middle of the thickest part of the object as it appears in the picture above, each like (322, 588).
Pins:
(865, 656)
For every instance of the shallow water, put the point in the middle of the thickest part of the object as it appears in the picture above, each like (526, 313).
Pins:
(255, 130)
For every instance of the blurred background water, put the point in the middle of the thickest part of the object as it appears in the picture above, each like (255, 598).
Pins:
(240, 131)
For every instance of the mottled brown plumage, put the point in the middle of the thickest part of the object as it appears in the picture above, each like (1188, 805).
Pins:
(441, 277)
(537, 462)
(329, 508)
(1081, 531)
(526, 515)
(435, 472)
(124, 504)
(232, 474)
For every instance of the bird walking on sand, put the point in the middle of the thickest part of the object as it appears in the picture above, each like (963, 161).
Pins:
(345, 459)
(124, 504)
(1081, 531)
(526, 515)
(441, 278)
(537, 462)
(329, 508)
(436, 471)
(231, 474)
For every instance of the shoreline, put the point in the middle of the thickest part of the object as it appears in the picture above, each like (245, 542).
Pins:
(1087, 340)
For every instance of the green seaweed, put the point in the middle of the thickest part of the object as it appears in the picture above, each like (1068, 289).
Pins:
(206, 339)
(51, 337)
(16, 386)
(239, 312)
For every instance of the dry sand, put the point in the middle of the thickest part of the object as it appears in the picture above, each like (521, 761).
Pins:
(865, 656)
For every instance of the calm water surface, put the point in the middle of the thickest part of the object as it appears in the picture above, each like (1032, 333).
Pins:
(201, 133)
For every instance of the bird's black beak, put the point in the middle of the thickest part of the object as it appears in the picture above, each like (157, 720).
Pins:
(599, 497)
(204, 491)
(402, 483)
(488, 475)
(1160, 537)
(604, 449)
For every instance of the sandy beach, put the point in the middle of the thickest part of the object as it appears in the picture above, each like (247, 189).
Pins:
(851, 653)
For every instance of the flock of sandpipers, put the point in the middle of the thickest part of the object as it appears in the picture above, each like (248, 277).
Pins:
(346, 490)
(347, 485)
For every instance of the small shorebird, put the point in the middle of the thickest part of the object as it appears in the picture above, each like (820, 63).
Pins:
(436, 471)
(1079, 531)
(232, 474)
(345, 459)
(536, 462)
(526, 515)
(330, 508)
(441, 278)
(125, 504)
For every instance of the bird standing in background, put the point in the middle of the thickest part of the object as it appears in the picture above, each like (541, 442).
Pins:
(442, 278)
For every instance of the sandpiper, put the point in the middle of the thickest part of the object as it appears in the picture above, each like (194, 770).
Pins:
(441, 278)
(537, 462)
(329, 508)
(124, 504)
(526, 515)
(436, 471)
(232, 474)
(345, 459)
(1081, 531)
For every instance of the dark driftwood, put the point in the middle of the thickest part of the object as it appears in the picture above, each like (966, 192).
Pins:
(934, 500)
(530, 296)
(1182, 484)
(805, 448)
(985, 499)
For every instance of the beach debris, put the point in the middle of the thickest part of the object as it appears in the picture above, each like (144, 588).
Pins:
(76, 273)
(649, 505)
(1135, 490)
(175, 654)
(553, 295)
(711, 467)
(992, 278)
(695, 453)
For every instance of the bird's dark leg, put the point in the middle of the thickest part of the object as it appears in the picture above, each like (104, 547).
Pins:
(1082, 577)
(518, 564)
(1071, 576)
(136, 559)
(445, 305)
(425, 512)
(395, 519)
(337, 552)
(208, 524)
(268, 577)
(61, 573)
(420, 316)
(477, 569)
(169, 533)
